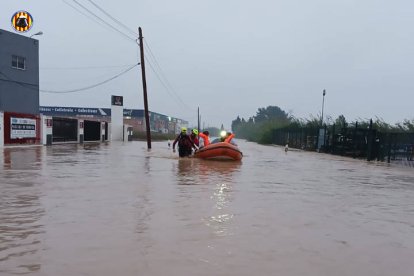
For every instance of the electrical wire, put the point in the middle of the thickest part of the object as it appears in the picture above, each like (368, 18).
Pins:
(161, 74)
(35, 86)
(91, 86)
(152, 54)
(166, 87)
(113, 18)
(84, 14)
(103, 21)
(85, 67)
(24, 84)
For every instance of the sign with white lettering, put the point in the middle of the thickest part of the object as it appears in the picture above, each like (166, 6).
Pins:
(74, 111)
(22, 128)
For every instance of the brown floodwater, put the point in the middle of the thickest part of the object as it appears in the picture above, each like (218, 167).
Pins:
(118, 209)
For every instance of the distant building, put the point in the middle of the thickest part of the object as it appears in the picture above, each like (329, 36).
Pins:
(134, 117)
(158, 122)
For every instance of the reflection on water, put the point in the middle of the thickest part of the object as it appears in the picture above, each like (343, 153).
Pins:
(219, 174)
(21, 229)
(119, 209)
(222, 197)
(21, 158)
(192, 171)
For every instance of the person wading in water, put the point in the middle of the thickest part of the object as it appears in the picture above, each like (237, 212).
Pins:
(185, 145)
(194, 138)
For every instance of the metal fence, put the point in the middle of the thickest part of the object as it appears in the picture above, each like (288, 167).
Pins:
(367, 143)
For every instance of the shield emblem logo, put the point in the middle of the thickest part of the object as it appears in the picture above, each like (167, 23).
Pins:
(22, 21)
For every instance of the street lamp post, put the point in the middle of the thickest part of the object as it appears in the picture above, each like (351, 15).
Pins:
(322, 131)
(323, 103)
(38, 33)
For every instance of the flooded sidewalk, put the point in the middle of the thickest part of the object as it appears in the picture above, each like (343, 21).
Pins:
(119, 209)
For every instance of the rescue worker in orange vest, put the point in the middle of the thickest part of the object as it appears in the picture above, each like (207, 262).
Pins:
(229, 136)
(205, 136)
(226, 136)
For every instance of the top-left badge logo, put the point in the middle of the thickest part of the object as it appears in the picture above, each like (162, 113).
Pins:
(22, 21)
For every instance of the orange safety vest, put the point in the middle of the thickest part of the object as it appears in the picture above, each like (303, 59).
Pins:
(228, 139)
(205, 138)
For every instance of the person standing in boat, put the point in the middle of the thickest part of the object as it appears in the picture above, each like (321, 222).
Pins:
(185, 144)
(205, 138)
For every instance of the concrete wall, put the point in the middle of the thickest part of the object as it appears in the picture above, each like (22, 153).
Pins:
(19, 88)
(117, 123)
(46, 130)
(81, 124)
(103, 131)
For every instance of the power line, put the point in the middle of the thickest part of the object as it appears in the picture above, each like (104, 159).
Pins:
(35, 86)
(113, 18)
(165, 86)
(103, 21)
(85, 67)
(18, 82)
(161, 72)
(159, 75)
(151, 54)
(81, 12)
(166, 82)
(91, 86)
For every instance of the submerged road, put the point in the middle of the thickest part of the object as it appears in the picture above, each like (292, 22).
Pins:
(118, 209)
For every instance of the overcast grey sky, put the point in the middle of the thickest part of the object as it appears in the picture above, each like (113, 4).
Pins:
(232, 57)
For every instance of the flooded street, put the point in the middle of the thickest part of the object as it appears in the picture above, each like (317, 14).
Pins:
(117, 209)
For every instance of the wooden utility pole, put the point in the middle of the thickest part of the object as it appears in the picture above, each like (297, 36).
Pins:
(144, 87)
(198, 119)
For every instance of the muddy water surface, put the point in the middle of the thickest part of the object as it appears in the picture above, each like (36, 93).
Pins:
(118, 209)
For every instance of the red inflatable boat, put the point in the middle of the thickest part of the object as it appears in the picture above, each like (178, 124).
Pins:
(220, 151)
